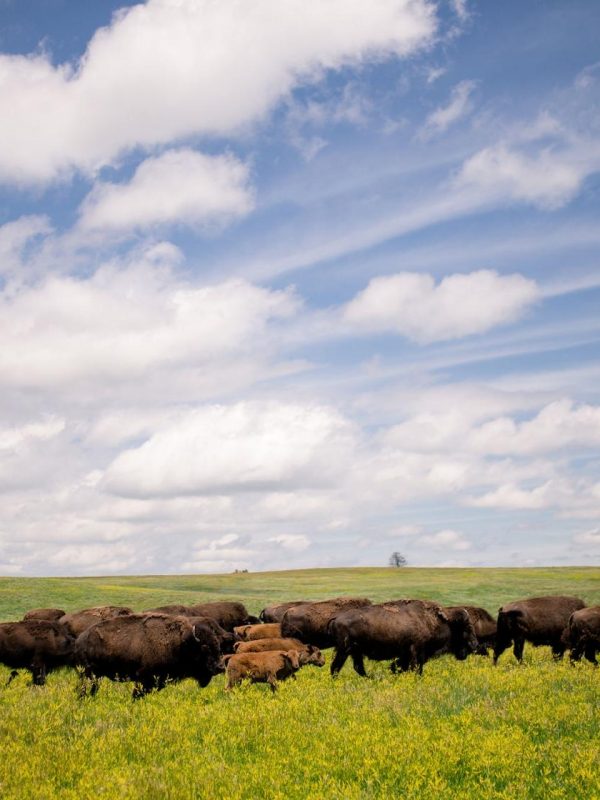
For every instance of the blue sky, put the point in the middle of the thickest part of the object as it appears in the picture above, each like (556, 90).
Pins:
(292, 285)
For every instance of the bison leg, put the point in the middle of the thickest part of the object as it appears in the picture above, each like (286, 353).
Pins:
(272, 681)
(359, 664)
(38, 674)
(518, 648)
(11, 677)
(590, 654)
(338, 661)
(558, 651)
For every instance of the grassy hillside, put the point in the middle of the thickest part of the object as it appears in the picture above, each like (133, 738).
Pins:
(463, 730)
(486, 587)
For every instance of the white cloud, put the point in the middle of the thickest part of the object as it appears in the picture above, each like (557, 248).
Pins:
(588, 537)
(446, 540)
(458, 106)
(14, 237)
(548, 179)
(239, 448)
(291, 542)
(460, 305)
(231, 63)
(178, 187)
(120, 324)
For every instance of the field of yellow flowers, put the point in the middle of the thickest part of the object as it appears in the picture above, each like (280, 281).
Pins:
(461, 730)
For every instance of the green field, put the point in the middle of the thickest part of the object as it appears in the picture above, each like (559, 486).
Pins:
(462, 730)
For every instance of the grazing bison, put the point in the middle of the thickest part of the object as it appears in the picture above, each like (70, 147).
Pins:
(149, 649)
(48, 614)
(225, 639)
(309, 622)
(484, 626)
(582, 635)
(266, 645)
(408, 633)
(79, 621)
(269, 666)
(39, 646)
(248, 633)
(275, 612)
(539, 620)
(229, 614)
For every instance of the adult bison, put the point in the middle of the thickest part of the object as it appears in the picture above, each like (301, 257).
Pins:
(539, 620)
(229, 614)
(582, 634)
(149, 649)
(39, 646)
(79, 621)
(484, 626)
(407, 633)
(309, 622)
(275, 612)
(47, 614)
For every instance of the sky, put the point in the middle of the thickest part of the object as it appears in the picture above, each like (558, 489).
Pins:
(290, 284)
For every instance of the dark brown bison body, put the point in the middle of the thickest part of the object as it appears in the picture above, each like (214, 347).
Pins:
(484, 626)
(149, 649)
(582, 634)
(229, 614)
(248, 633)
(39, 646)
(48, 614)
(79, 621)
(406, 633)
(275, 612)
(539, 620)
(309, 622)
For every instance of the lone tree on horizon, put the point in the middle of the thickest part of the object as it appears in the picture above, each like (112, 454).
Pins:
(397, 559)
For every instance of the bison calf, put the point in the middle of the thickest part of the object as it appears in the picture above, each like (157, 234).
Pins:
(309, 654)
(269, 667)
(248, 633)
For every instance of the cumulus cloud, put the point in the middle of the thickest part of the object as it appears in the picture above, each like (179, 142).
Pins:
(446, 540)
(119, 324)
(246, 447)
(588, 537)
(458, 106)
(291, 542)
(231, 64)
(178, 187)
(412, 305)
(15, 236)
(547, 179)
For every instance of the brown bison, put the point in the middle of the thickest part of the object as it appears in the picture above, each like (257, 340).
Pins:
(275, 612)
(48, 614)
(266, 645)
(582, 634)
(79, 621)
(484, 626)
(408, 633)
(539, 620)
(229, 614)
(248, 633)
(309, 622)
(268, 667)
(39, 646)
(149, 649)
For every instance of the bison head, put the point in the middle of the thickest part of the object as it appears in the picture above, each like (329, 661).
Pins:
(463, 640)
(312, 655)
(292, 659)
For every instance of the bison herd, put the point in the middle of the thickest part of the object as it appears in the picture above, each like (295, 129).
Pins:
(167, 644)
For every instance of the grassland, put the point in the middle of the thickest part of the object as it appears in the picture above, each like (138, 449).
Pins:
(462, 730)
